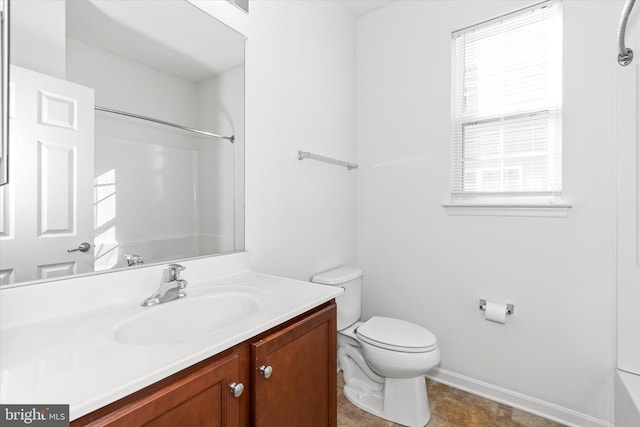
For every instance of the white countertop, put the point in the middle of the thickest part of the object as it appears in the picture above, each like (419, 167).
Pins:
(75, 358)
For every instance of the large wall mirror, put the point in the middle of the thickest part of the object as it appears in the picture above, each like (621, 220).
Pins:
(126, 142)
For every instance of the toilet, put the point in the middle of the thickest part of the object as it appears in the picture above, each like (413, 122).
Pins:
(383, 360)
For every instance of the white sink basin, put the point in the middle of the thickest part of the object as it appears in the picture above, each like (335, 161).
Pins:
(200, 313)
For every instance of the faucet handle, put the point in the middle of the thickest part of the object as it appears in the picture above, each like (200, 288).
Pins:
(172, 272)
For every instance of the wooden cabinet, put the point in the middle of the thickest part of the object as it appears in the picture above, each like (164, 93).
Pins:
(300, 390)
(299, 385)
(197, 396)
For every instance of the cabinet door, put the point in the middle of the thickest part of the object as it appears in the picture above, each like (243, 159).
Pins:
(201, 399)
(301, 389)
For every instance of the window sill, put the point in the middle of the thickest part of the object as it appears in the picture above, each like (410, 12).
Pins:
(552, 210)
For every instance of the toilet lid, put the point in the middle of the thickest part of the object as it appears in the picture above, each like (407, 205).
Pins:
(396, 334)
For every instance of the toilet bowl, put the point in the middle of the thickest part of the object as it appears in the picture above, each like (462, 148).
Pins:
(396, 348)
(384, 360)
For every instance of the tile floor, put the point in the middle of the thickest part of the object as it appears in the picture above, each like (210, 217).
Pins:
(450, 407)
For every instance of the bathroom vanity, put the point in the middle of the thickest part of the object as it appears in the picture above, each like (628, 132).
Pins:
(242, 348)
(285, 376)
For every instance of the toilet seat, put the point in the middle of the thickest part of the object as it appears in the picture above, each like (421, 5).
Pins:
(396, 335)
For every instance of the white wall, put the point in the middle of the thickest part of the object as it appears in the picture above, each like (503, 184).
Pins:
(38, 36)
(300, 215)
(131, 86)
(300, 96)
(221, 109)
(423, 265)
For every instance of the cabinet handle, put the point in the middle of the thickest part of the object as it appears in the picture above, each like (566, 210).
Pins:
(266, 371)
(236, 389)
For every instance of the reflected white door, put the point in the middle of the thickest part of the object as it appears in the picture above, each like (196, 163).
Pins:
(47, 208)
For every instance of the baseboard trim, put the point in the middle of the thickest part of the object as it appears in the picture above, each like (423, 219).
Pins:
(517, 400)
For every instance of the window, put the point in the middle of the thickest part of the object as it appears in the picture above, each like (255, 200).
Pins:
(507, 95)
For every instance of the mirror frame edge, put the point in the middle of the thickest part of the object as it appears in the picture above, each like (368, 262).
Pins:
(118, 270)
(4, 92)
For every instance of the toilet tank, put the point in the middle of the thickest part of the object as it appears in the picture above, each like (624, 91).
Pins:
(350, 279)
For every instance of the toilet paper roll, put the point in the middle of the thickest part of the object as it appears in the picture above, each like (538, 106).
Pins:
(496, 312)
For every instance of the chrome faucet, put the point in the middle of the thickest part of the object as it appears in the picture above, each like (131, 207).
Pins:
(170, 286)
(133, 259)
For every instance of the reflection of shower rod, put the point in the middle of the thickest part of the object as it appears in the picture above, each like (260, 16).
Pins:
(625, 55)
(162, 122)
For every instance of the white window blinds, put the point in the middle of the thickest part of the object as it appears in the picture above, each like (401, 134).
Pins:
(507, 94)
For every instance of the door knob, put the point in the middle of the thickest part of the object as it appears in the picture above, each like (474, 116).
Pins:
(236, 389)
(266, 371)
(83, 247)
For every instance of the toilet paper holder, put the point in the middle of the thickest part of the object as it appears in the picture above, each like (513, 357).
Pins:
(510, 307)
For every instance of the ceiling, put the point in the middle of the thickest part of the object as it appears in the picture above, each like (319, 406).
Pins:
(175, 37)
(362, 7)
(134, 31)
